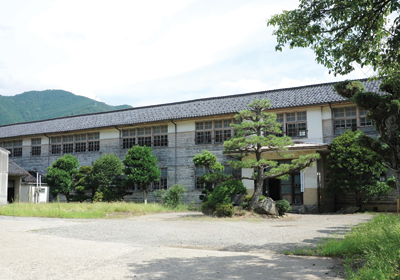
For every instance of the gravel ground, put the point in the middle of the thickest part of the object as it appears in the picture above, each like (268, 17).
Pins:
(167, 246)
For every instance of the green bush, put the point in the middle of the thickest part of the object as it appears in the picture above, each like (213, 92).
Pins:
(207, 208)
(283, 206)
(224, 210)
(222, 193)
(173, 197)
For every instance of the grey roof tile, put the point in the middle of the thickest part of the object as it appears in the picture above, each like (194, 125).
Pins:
(15, 169)
(281, 98)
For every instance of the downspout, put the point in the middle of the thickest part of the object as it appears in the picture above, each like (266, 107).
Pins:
(48, 151)
(333, 134)
(176, 152)
(119, 141)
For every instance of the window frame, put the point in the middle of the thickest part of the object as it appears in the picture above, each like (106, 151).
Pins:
(357, 121)
(209, 132)
(150, 136)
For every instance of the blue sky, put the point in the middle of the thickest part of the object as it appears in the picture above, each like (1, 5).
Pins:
(149, 52)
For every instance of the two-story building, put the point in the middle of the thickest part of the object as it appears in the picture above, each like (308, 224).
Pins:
(312, 115)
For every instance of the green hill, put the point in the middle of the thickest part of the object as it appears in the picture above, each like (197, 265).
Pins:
(47, 104)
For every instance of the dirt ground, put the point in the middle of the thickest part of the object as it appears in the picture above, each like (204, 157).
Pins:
(168, 246)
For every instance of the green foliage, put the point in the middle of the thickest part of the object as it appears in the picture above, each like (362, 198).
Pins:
(353, 168)
(283, 207)
(250, 139)
(105, 174)
(48, 104)
(207, 208)
(376, 243)
(343, 32)
(173, 197)
(365, 32)
(224, 210)
(141, 168)
(213, 177)
(84, 182)
(249, 197)
(61, 175)
(222, 193)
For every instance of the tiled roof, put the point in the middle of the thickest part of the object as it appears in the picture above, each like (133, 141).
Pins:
(15, 169)
(280, 98)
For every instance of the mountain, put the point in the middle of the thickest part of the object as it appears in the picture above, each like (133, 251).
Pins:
(47, 104)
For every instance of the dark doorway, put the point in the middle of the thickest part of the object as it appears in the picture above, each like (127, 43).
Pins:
(10, 192)
(274, 189)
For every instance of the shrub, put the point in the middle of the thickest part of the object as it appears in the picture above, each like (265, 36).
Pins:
(283, 206)
(174, 196)
(224, 210)
(207, 208)
(222, 193)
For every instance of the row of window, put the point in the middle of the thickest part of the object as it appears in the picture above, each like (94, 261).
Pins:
(152, 136)
(294, 125)
(352, 118)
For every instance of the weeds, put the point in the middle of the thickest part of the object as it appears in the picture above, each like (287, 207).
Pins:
(85, 210)
(370, 250)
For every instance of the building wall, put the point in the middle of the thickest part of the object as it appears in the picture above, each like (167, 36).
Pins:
(3, 176)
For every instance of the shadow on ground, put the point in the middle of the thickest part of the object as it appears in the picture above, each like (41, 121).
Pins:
(235, 267)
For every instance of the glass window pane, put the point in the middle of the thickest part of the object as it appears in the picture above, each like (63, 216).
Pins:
(290, 117)
(351, 112)
(338, 113)
(301, 116)
(218, 124)
(208, 125)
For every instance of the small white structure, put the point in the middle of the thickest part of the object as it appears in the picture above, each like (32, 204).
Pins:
(3, 175)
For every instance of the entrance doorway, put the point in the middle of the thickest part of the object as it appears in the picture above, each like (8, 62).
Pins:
(11, 191)
(289, 190)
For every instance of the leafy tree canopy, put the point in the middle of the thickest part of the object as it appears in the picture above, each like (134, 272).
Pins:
(141, 168)
(354, 168)
(256, 134)
(104, 175)
(61, 175)
(342, 32)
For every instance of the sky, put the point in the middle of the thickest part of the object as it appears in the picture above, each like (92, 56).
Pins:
(149, 52)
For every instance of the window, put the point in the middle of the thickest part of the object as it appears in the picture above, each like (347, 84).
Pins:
(128, 138)
(156, 136)
(352, 118)
(55, 145)
(296, 124)
(366, 125)
(14, 147)
(213, 132)
(293, 124)
(36, 148)
(160, 136)
(162, 184)
(93, 141)
(345, 118)
(78, 143)
(68, 144)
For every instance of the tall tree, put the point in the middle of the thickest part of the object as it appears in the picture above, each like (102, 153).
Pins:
(342, 33)
(105, 172)
(61, 175)
(256, 135)
(354, 168)
(141, 168)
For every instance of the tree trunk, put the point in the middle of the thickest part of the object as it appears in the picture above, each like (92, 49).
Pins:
(144, 196)
(258, 186)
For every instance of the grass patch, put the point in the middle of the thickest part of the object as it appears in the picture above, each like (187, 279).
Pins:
(86, 210)
(370, 250)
